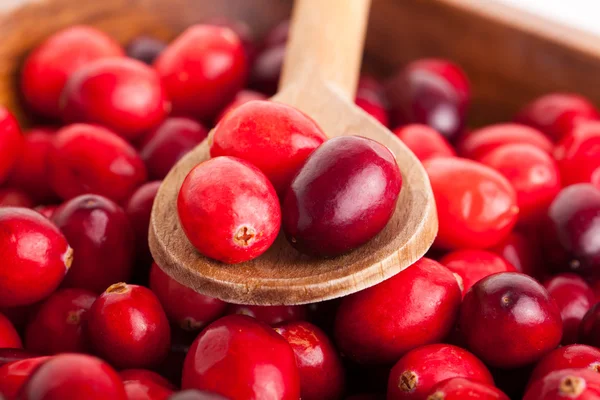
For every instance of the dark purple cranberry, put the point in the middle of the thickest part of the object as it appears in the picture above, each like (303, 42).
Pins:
(265, 73)
(589, 329)
(145, 48)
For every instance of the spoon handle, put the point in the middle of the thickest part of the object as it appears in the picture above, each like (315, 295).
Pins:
(326, 40)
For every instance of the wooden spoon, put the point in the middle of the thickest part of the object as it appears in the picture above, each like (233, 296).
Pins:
(320, 76)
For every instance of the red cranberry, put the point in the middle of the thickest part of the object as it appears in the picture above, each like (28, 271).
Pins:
(474, 265)
(271, 315)
(128, 327)
(90, 159)
(321, 371)
(477, 207)
(138, 209)
(278, 35)
(347, 183)
(578, 154)
(434, 92)
(141, 384)
(13, 375)
(418, 371)
(48, 67)
(417, 306)
(168, 142)
(9, 338)
(576, 384)
(372, 105)
(571, 356)
(241, 97)
(266, 70)
(509, 320)
(11, 197)
(74, 376)
(57, 326)
(464, 389)
(35, 257)
(556, 114)
(424, 141)
(246, 218)
(202, 70)
(102, 238)
(522, 252)
(11, 143)
(478, 143)
(145, 49)
(9, 355)
(184, 306)
(241, 358)
(196, 395)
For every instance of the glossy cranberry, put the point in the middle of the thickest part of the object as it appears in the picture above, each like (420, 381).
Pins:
(434, 92)
(128, 327)
(145, 49)
(168, 142)
(477, 207)
(575, 384)
(13, 375)
(185, 307)
(35, 257)
(241, 97)
(556, 114)
(11, 197)
(372, 105)
(241, 358)
(578, 154)
(271, 315)
(48, 67)
(347, 183)
(90, 159)
(141, 384)
(478, 143)
(196, 395)
(522, 252)
(415, 307)
(47, 211)
(424, 141)
(9, 355)
(321, 371)
(138, 209)
(571, 356)
(418, 371)
(202, 70)
(244, 221)
(464, 389)
(274, 137)
(266, 70)
(509, 320)
(101, 236)
(58, 325)
(11, 143)
(74, 376)
(9, 338)
(474, 265)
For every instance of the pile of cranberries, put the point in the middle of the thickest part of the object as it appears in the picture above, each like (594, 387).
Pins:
(503, 307)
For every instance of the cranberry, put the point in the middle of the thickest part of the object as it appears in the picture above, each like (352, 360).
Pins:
(11, 143)
(202, 70)
(196, 395)
(35, 257)
(571, 356)
(138, 209)
(11, 197)
(477, 207)
(474, 265)
(9, 338)
(522, 252)
(141, 384)
(509, 320)
(271, 315)
(372, 105)
(266, 70)
(57, 326)
(576, 384)
(424, 141)
(168, 142)
(342, 197)
(184, 306)
(578, 154)
(321, 371)
(102, 238)
(556, 114)
(277, 35)
(274, 137)
(434, 92)
(418, 371)
(464, 389)
(74, 376)
(590, 326)
(90, 159)
(417, 306)
(244, 221)
(241, 97)
(241, 358)
(145, 49)
(13, 375)
(9, 355)
(478, 143)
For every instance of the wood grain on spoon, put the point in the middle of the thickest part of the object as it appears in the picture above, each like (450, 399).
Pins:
(320, 77)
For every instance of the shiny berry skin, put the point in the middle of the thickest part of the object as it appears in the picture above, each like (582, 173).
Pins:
(202, 70)
(556, 114)
(11, 143)
(342, 197)
(320, 368)
(58, 324)
(509, 320)
(145, 49)
(477, 207)
(522, 252)
(433, 92)
(91, 159)
(196, 395)
(121, 94)
(48, 67)
(35, 257)
(574, 297)
(417, 306)
(424, 142)
(465, 389)
(571, 384)
(9, 338)
(270, 315)
(99, 232)
(128, 327)
(185, 307)
(373, 106)
(164, 145)
(229, 210)
(590, 327)
(241, 97)
(481, 141)
(266, 69)
(241, 358)
(578, 155)
(141, 384)
(474, 265)
(413, 376)
(567, 357)
(11, 197)
(274, 137)
(13, 375)
(138, 209)
(74, 376)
